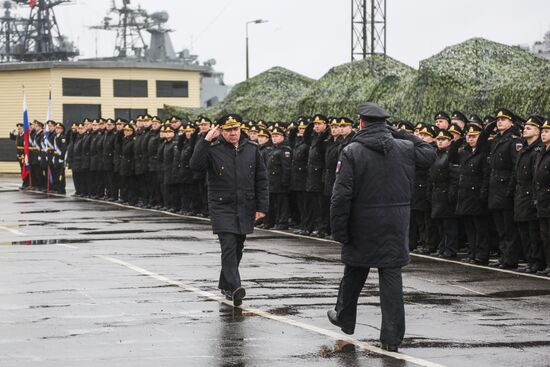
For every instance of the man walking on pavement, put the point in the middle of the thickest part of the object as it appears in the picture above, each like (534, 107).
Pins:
(370, 212)
(237, 194)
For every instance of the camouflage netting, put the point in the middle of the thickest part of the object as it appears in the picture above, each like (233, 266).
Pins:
(479, 76)
(271, 95)
(380, 79)
(476, 76)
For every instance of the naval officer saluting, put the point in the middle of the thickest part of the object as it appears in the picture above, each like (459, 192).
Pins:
(237, 194)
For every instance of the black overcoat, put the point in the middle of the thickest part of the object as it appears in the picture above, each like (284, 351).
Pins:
(237, 183)
(371, 200)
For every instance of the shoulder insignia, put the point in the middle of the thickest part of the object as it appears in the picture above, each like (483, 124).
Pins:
(287, 154)
(538, 149)
(214, 143)
(519, 146)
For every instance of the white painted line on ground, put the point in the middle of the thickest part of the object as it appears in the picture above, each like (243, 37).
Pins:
(14, 231)
(267, 315)
(468, 289)
(65, 245)
(321, 239)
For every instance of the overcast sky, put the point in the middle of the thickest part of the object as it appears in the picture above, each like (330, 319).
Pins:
(311, 36)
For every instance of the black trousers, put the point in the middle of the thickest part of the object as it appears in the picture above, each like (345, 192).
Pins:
(232, 246)
(309, 208)
(128, 189)
(188, 194)
(448, 232)
(203, 196)
(320, 211)
(58, 175)
(509, 242)
(391, 301)
(293, 201)
(154, 193)
(37, 176)
(545, 235)
(477, 231)
(423, 231)
(531, 242)
(141, 188)
(109, 181)
(281, 209)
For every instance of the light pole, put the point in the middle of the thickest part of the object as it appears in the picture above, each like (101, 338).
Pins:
(257, 21)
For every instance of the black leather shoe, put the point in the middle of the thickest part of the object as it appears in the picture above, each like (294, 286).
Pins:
(390, 347)
(508, 266)
(238, 296)
(333, 318)
(281, 227)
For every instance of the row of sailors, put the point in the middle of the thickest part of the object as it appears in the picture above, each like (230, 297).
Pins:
(491, 179)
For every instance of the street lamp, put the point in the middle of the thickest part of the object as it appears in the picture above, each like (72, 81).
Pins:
(257, 21)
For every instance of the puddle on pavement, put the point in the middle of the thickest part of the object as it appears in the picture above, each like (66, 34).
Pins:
(430, 299)
(40, 211)
(43, 242)
(520, 293)
(121, 231)
(429, 343)
(47, 306)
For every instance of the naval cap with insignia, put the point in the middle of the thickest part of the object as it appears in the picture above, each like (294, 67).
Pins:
(405, 125)
(473, 130)
(442, 115)
(203, 120)
(277, 131)
(110, 121)
(156, 120)
(457, 115)
(19, 124)
(370, 111)
(427, 130)
(419, 125)
(319, 119)
(444, 134)
(87, 120)
(59, 124)
(456, 129)
(129, 127)
(120, 121)
(475, 119)
(265, 133)
(344, 121)
(535, 120)
(229, 121)
(334, 122)
(262, 124)
(488, 119)
(506, 114)
(546, 124)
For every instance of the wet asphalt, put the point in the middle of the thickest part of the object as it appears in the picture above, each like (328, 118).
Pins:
(95, 284)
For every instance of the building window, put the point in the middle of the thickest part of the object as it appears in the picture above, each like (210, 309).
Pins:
(78, 112)
(81, 87)
(130, 88)
(170, 88)
(129, 113)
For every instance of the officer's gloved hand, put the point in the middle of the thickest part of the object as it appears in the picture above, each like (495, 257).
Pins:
(490, 128)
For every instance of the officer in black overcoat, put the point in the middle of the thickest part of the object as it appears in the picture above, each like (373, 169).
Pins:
(542, 189)
(370, 215)
(298, 176)
(316, 201)
(442, 197)
(278, 165)
(522, 185)
(471, 161)
(237, 194)
(153, 190)
(127, 166)
(504, 151)
(108, 159)
(59, 158)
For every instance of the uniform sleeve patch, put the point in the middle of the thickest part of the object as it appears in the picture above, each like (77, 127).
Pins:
(519, 146)
(287, 154)
(338, 166)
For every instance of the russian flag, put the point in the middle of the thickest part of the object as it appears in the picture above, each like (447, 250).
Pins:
(26, 135)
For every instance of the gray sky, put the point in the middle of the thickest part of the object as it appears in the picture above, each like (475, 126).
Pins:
(311, 36)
